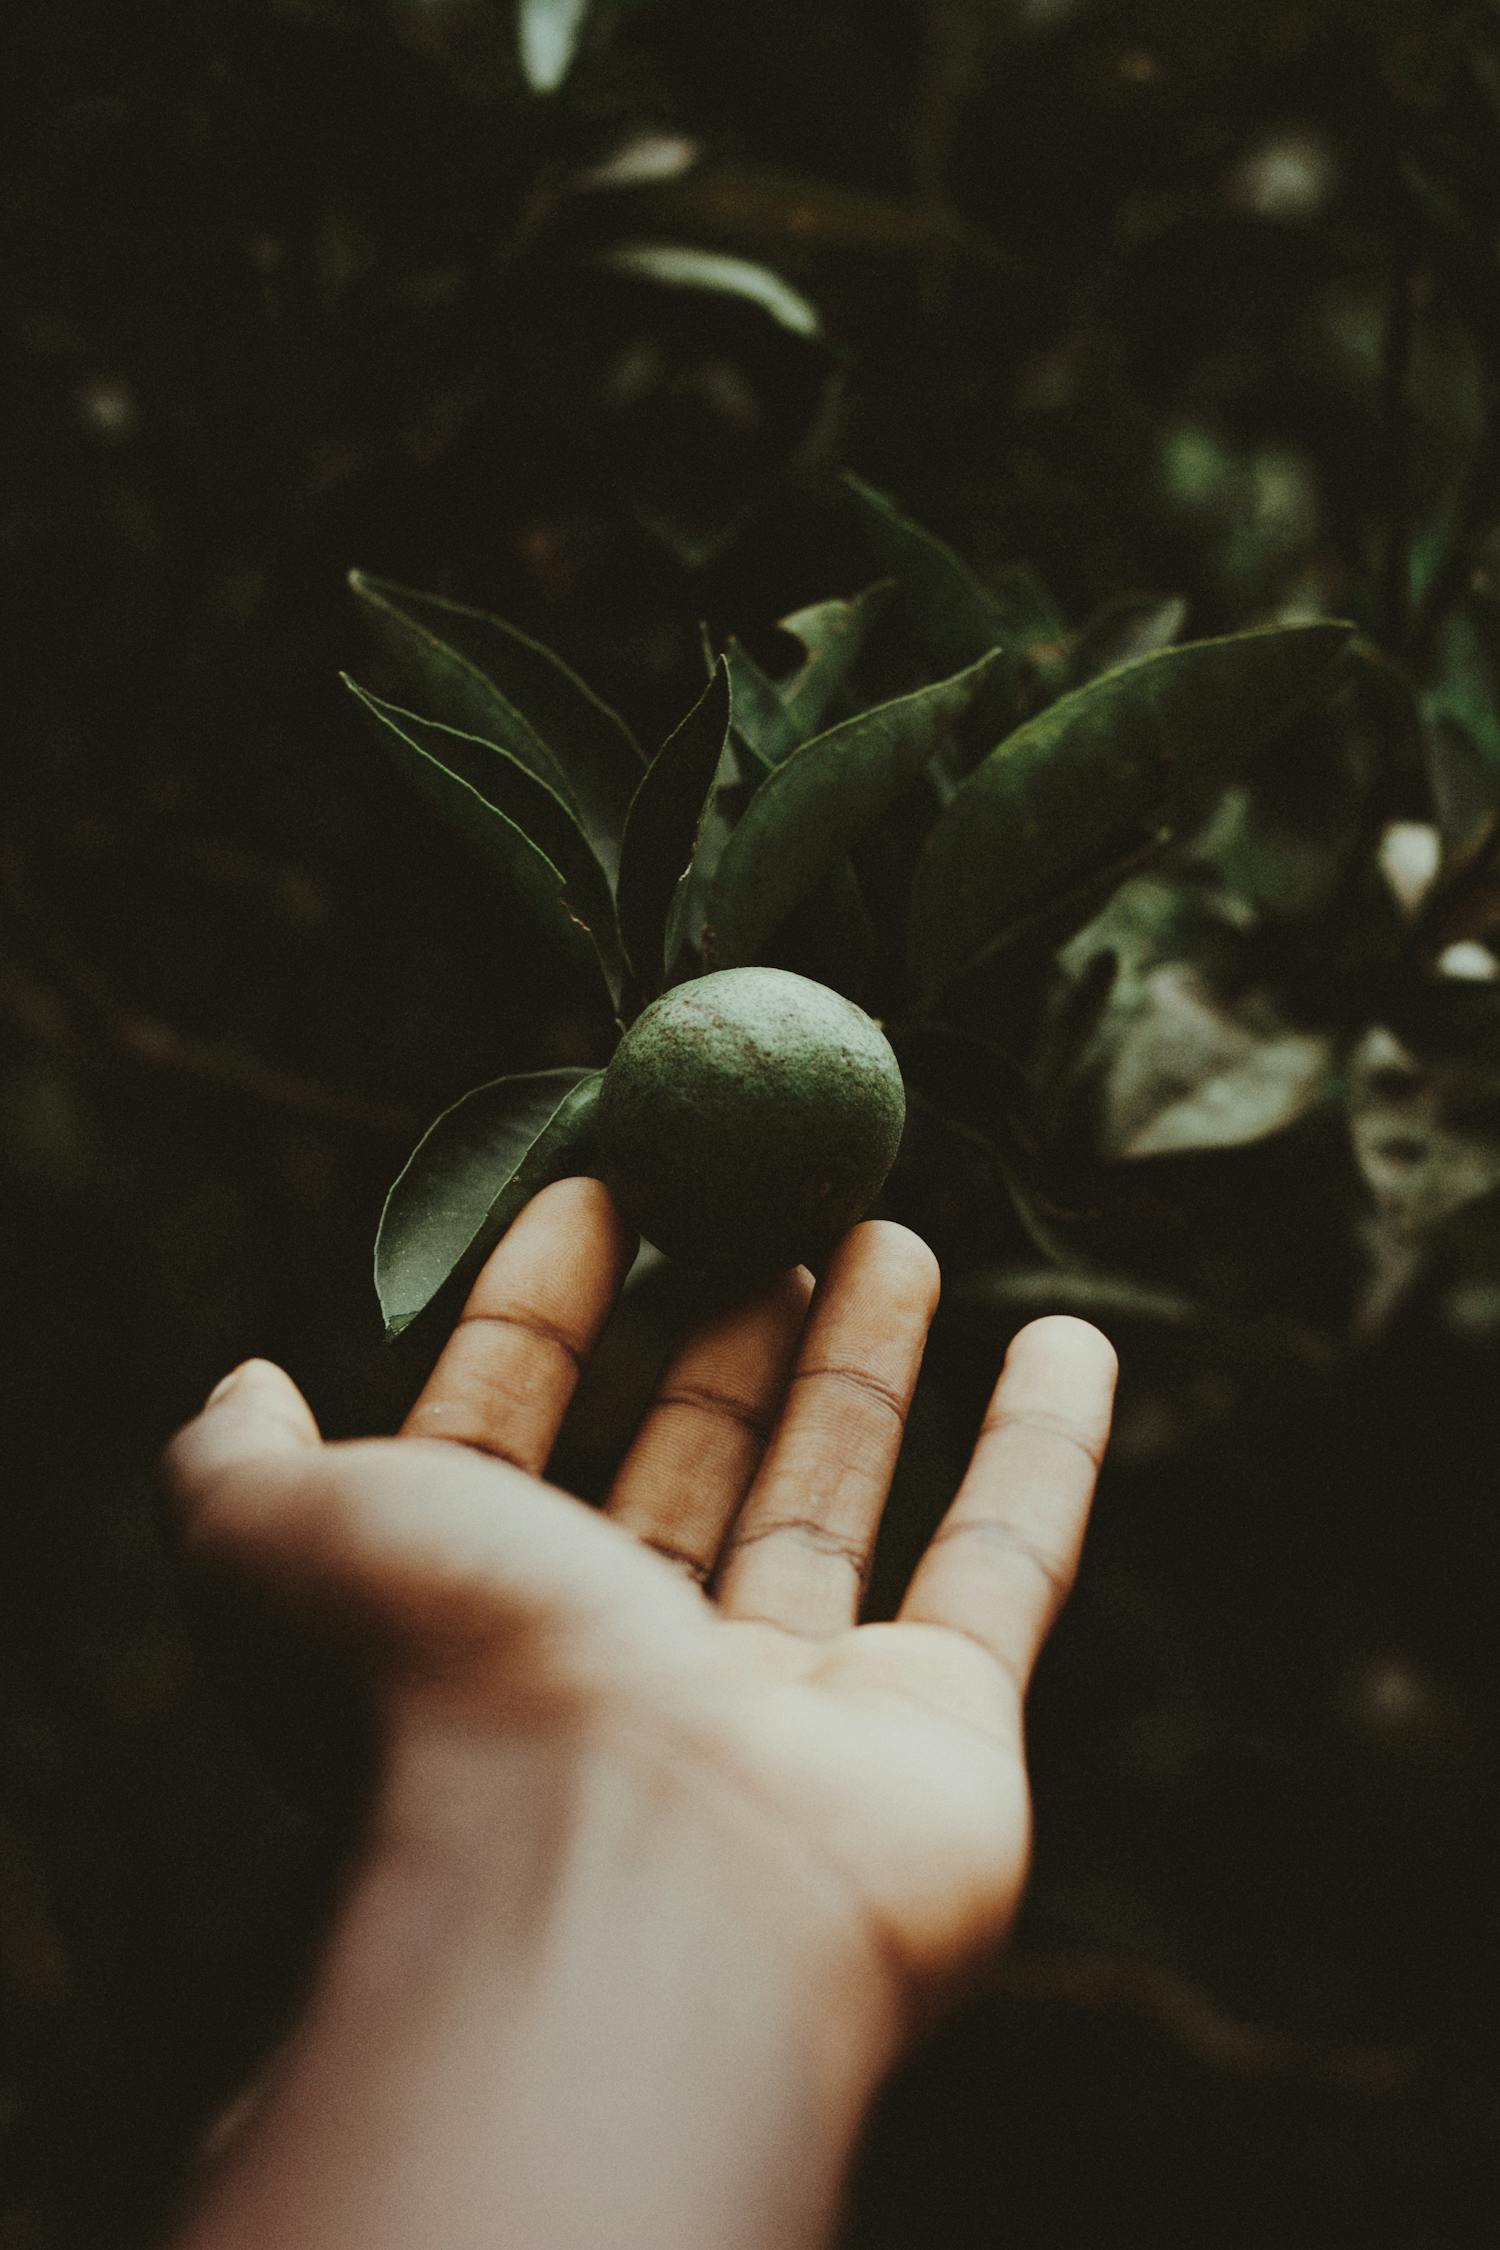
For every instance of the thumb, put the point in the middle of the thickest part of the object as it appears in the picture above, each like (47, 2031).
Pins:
(243, 1477)
(228, 1467)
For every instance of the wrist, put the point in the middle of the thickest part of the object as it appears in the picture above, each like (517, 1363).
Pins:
(645, 2022)
(503, 1847)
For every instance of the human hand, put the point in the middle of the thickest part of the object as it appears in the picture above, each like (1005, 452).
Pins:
(704, 1626)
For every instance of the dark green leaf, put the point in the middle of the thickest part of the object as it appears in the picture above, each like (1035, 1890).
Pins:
(956, 614)
(778, 720)
(666, 818)
(470, 1175)
(833, 633)
(529, 875)
(721, 809)
(1134, 753)
(809, 811)
(476, 673)
(831, 937)
(760, 721)
(530, 805)
(774, 718)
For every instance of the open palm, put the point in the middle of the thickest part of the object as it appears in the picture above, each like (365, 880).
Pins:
(706, 1620)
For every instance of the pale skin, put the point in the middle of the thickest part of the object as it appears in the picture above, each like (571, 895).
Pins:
(670, 1856)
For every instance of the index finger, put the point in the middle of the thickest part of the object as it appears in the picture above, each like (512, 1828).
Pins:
(1002, 1561)
(512, 1364)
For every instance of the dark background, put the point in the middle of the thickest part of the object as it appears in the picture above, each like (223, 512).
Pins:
(1149, 296)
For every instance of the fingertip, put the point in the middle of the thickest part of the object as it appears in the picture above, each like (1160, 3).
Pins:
(580, 1194)
(581, 1205)
(1073, 1347)
(256, 1414)
(261, 1390)
(261, 1379)
(901, 1258)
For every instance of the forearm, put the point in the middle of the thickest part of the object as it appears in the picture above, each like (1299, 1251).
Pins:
(588, 2016)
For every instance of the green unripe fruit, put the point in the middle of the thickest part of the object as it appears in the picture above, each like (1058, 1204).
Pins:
(747, 1119)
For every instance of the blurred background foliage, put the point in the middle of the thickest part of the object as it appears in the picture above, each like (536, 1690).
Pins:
(1186, 316)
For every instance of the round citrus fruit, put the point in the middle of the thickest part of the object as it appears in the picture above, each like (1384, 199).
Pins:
(747, 1119)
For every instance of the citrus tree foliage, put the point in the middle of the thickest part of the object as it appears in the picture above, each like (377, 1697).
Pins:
(747, 835)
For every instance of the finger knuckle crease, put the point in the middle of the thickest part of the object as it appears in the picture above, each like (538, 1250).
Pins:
(1000, 1535)
(860, 1379)
(492, 1450)
(780, 1625)
(1047, 1425)
(701, 1398)
(529, 1324)
(681, 1558)
(806, 1532)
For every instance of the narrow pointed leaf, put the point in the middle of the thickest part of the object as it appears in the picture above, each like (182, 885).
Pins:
(666, 815)
(470, 1175)
(833, 633)
(530, 805)
(773, 720)
(721, 807)
(816, 804)
(759, 713)
(1132, 754)
(781, 718)
(529, 876)
(831, 936)
(956, 614)
(475, 672)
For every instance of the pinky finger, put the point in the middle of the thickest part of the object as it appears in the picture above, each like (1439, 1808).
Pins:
(1002, 1562)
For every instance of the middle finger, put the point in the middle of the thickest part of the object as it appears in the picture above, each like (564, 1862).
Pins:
(680, 1485)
